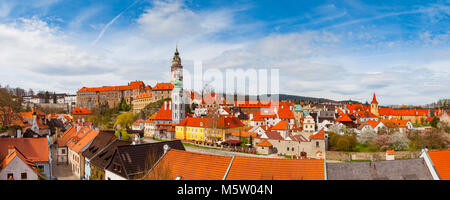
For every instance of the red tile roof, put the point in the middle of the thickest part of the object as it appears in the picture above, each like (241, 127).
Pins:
(165, 112)
(402, 112)
(374, 99)
(394, 122)
(390, 152)
(131, 86)
(441, 160)
(26, 115)
(252, 104)
(274, 135)
(197, 166)
(81, 111)
(190, 166)
(264, 143)
(12, 155)
(319, 135)
(344, 118)
(89, 137)
(66, 136)
(229, 121)
(35, 149)
(282, 125)
(252, 168)
(163, 86)
(373, 123)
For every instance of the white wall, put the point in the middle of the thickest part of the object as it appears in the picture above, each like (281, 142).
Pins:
(112, 176)
(16, 167)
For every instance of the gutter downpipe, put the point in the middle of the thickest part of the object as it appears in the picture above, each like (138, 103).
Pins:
(325, 167)
(229, 167)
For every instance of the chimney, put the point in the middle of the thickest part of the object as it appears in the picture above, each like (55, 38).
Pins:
(10, 149)
(166, 148)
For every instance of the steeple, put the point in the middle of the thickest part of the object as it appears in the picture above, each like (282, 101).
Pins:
(374, 99)
(374, 105)
(176, 61)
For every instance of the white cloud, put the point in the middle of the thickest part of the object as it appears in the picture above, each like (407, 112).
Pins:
(172, 20)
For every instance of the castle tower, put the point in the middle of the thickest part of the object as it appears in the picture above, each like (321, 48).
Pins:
(374, 105)
(178, 112)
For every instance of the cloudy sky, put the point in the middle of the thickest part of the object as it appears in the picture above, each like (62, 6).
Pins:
(332, 49)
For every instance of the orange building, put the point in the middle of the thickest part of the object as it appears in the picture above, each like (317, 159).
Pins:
(110, 95)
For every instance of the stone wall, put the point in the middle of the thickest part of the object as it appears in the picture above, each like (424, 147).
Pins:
(372, 156)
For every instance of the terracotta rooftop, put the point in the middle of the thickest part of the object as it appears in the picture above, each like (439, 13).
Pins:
(255, 168)
(35, 149)
(131, 86)
(319, 135)
(89, 137)
(264, 143)
(441, 161)
(197, 166)
(81, 111)
(190, 166)
(282, 125)
(163, 86)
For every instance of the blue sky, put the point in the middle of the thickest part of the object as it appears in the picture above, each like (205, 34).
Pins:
(332, 49)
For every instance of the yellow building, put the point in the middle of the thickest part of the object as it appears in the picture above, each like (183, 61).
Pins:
(141, 101)
(200, 129)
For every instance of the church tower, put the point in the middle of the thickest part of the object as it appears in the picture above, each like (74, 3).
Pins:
(374, 105)
(176, 72)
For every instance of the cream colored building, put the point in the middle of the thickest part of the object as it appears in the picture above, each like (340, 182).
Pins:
(309, 124)
(141, 101)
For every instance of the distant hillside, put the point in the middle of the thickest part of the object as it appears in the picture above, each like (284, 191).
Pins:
(284, 97)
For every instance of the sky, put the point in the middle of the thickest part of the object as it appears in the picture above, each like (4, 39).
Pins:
(345, 49)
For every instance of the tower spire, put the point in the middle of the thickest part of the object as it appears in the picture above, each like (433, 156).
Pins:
(374, 99)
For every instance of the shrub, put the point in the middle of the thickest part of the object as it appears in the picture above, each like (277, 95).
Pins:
(342, 142)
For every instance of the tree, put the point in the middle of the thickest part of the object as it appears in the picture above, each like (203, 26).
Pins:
(434, 122)
(366, 135)
(400, 141)
(123, 106)
(46, 97)
(8, 106)
(342, 142)
(54, 97)
(122, 135)
(381, 142)
(124, 120)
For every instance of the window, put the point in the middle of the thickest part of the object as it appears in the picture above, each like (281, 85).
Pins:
(317, 144)
(63, 151)
(292, 148)
(23, 176)
(288, 149)
(10, 176)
